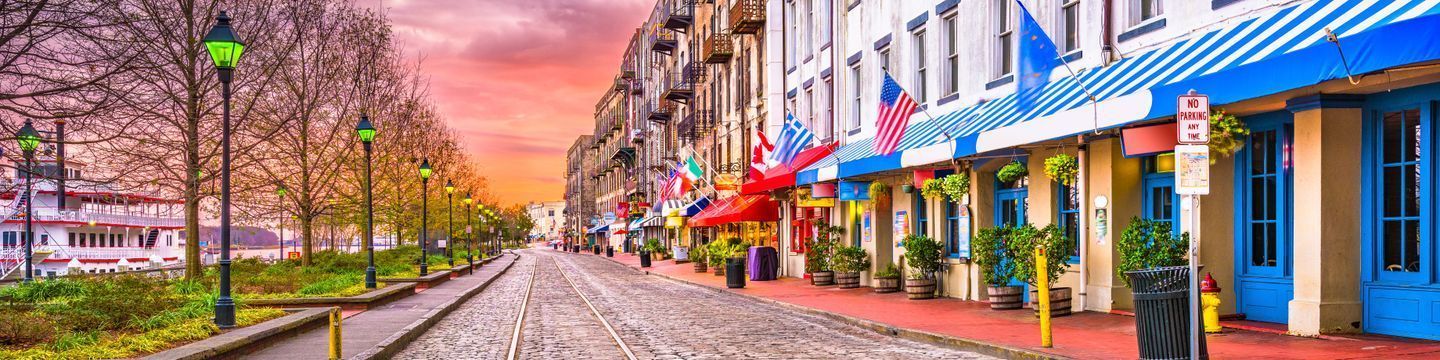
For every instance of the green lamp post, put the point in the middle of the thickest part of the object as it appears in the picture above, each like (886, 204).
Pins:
(424, 216)
(469, 234)
(29, 139)
(450, 222)
(225, 47)
(366, 132)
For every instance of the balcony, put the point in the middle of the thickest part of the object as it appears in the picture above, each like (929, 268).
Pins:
(718, 49)
(627, 74)
(85, 217)
(662, 41)
(747, 16)
(680, 86)
(678, 14)
(696, 125)
(661, 112)
(621, 85)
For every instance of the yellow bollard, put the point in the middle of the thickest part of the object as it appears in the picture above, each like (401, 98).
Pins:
(335, 333)
(1042, 283)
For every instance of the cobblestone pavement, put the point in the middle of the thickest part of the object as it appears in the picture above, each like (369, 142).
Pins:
(657, 318)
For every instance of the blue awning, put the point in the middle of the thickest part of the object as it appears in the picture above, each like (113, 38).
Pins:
(1269, 54)
(598, 229)
(695, 206)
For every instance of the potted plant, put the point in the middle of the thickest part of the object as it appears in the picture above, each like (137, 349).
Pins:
(880, 192)
(1062, 168)
(887, 279)
(1022, 244)
(849, 261)
(988, 251)
(697, 255)
(718, 252)
(652, 246)
(818, 256)
(922, 254)
(1015, 170)
(735, 263)
(1152, 263)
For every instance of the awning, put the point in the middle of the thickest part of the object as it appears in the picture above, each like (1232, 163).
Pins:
(653, 221)
(782, 176)
(598, 229)
(635, 225)
(695, 207)
(619, 227)
(738, 209)
(672, 207)
(1286, 48)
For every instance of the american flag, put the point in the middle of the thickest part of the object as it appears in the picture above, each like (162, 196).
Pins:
(895, 109)
(675, 186)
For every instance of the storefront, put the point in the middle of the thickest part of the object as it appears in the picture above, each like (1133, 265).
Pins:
(751, 218)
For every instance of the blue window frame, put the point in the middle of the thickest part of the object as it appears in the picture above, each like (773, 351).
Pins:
(1266, 184)
(1067, 216)
(952, 228)
(1159, 200)
(1011, 202)
(922, 215)
(1402, 226)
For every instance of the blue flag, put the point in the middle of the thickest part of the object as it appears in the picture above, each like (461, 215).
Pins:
(1037, 58)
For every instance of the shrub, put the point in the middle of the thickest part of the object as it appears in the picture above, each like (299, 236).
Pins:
(922, 254)
(851, 259)
(932, 188)
(24, 328)
(822, 247)
(653, 246)
(1147, 244)
(1022, 242)
(988, 251)
(888, 272)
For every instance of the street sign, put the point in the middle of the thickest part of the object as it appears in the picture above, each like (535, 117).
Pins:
(1192, 169)
(1192, 119)
(294, 255)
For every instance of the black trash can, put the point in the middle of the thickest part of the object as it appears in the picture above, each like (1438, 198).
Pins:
(735, 273)
(644, 259)
(1162, 313)
(595, 249)
(609, 251)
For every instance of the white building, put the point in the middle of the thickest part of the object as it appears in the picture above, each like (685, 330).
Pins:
(549, 219)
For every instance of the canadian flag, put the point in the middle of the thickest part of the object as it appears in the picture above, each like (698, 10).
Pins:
(759, 153)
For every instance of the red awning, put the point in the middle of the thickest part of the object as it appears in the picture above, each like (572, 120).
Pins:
(783, 176)
(738, 209)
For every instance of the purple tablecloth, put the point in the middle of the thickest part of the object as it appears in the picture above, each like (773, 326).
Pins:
(762, 263)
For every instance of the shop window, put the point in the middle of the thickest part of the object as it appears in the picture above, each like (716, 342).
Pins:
(1067, 215)
(922, 216)
(1160, 203)
(952, 227)
(1400, 186)
(1268, 184)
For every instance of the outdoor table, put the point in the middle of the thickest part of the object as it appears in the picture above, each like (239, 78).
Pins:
(762, 262)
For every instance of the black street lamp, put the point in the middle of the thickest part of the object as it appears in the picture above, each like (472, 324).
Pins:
(366, 131)
(225, 48)
(450, 222)
(281, 191)
(424, 216)
(469, 234)
(29, 139)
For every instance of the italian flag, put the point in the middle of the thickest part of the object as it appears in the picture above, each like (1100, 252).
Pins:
(691, 169)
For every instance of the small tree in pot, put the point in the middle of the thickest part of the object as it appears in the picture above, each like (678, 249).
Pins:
(922, 254)
(651, 247)
(735, 262)
(698, 256)
(818, 256)
(1022, 244)
(1152, 263)
(887, 280)
(988, 251)
(718, 251)
(849, 262)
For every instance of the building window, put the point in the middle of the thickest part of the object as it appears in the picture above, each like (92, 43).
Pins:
(794, 34)
(855, 97)
(1004, 41)
(1144, 10)
(1160, 203)
(825, 11)
(1070, 10)
(827, 116)
(810, 108)
(885, 65)
(922, 216)
(809, 42)
(1401, 144)
(920, 77)
(72, 239)
(1067, 215)
(950, 39)
(1267, 188)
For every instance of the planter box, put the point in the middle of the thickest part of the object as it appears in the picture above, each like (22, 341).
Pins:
(423, 282)
(237, 343)
(1059, 302)
(366, 301)
(822, 278)
(847, 280)
(920, 289)
(884, 285)
(1005, 297)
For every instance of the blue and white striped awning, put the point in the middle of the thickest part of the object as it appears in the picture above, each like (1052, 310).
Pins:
(1269, 54)
(598, 229)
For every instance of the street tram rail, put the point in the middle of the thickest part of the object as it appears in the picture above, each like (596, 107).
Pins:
(517, 336)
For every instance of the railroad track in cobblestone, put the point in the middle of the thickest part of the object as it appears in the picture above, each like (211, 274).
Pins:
(517, 336)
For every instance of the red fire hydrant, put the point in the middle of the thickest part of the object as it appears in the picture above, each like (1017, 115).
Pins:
(1210, 304)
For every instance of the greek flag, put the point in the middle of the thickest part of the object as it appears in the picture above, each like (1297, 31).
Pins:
(793, 138)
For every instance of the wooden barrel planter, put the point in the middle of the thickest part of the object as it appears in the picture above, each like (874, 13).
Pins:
(720, 270)
(1059, 302)
(920, 289)
(887, 285)
(847, 280)
(1006, 297)
(700, 267)
(822, 278)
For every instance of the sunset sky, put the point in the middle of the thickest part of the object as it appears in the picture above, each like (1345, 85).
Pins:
(518, 79)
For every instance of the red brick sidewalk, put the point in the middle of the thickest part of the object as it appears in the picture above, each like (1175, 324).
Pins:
(1085, 335)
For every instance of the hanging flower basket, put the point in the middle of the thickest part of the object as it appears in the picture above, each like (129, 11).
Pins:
(956, 186)
(1062, 168)
(1227, 134)
(932, 188)
(1013, 171)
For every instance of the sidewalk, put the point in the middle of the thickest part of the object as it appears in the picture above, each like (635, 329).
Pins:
(363, 331)
(1084, 335)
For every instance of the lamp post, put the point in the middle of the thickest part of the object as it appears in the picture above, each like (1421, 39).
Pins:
(366, 132)
(450, 221)
(29, 139)
(424, 209)
(469, 234)
(225, 48)
(280, 191)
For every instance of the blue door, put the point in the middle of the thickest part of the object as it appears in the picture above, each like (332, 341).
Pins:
(1399, 286)
(1011, 202)
(1264, 222)
(1159, 200)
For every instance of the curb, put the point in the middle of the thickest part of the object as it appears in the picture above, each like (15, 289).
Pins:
(392, 345)
(237, 343)
(877, 327)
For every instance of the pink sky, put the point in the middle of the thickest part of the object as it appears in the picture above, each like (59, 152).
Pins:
(518, 79)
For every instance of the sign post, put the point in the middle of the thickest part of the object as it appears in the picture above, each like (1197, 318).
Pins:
(1192, 179)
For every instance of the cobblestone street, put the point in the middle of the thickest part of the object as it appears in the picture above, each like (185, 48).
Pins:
(656, 318)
